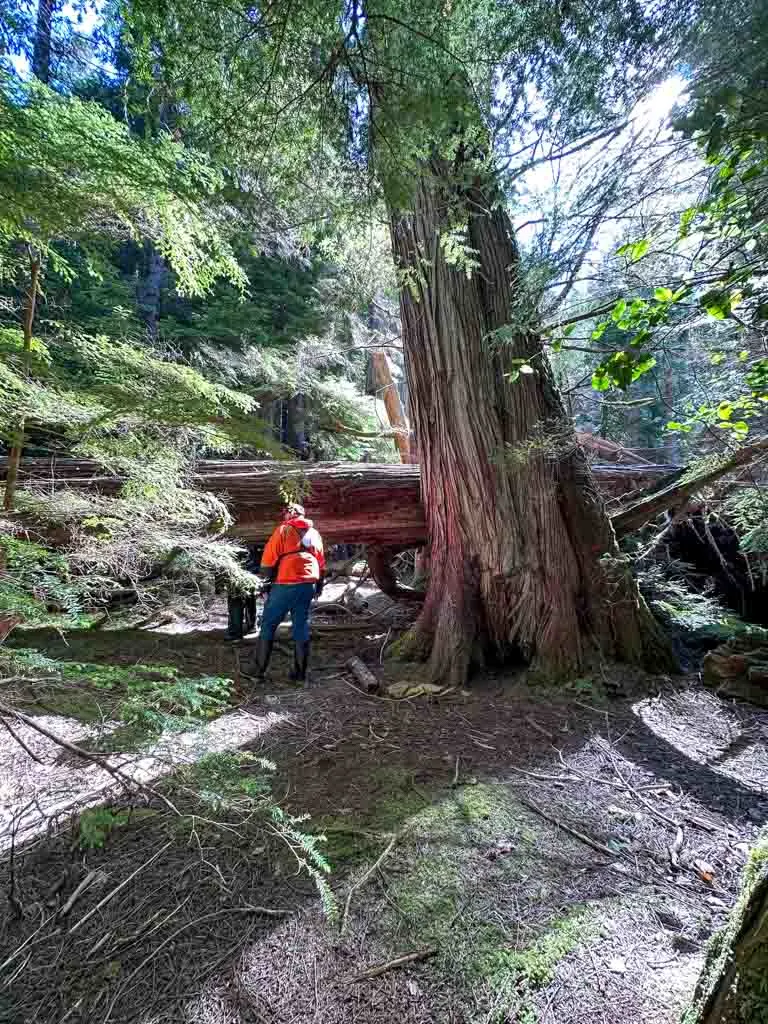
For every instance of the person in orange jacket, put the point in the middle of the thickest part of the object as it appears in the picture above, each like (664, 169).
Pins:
(294, 566)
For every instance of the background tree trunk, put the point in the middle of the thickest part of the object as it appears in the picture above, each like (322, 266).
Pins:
(149, 288)
(41, 54)
(523, 557)
(387, 390)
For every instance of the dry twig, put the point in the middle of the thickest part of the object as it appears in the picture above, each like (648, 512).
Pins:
(390, 965)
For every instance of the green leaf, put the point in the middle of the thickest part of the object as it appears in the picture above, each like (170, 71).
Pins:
(640, 338)
(663, 294)
(743, 356)
(724, 411)
(717, 358)
(512, 376)
(686, 220)
(717, 304)
(639, 249)
(634, 250)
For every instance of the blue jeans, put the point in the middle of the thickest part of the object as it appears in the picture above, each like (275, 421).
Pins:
(295, 598)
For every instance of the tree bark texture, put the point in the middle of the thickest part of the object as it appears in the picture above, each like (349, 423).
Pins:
(523, 558)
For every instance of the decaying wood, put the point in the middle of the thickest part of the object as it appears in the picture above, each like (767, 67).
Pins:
(353, 503)
(367, 680)
(678, 493)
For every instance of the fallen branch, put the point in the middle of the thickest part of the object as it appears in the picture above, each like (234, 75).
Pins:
(89, 879)
(118, 888)
(567, 828)
(390, 965)
(671, 497)
(361, 881)
(124, 778)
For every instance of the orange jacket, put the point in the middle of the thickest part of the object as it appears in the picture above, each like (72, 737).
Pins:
(296, 548)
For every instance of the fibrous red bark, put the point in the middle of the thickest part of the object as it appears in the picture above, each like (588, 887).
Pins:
(523, 557)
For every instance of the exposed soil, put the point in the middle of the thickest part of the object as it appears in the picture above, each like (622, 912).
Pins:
(550, 856)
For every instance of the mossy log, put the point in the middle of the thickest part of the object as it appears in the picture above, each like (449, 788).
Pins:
(733, 987)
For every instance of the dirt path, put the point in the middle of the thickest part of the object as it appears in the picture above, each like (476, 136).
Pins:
(550, 857)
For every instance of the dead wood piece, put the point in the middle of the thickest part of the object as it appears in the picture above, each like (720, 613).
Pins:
(361, 881)
(89, 879)
(678, 492)
(391, 965)
(567, 828)
(367, 680)
(739, 669)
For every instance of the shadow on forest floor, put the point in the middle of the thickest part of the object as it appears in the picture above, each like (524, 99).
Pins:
(522, 846)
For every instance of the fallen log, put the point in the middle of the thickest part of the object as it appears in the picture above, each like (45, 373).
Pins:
(676, 494)
(366, 679)
(354, 503)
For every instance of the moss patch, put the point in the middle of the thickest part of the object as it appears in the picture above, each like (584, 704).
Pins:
(737, 968)
(534, 965)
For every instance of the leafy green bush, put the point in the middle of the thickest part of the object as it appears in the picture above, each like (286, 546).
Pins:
(97, 823)
(36, 583)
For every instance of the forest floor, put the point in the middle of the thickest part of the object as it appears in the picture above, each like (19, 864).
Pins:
(535, 855)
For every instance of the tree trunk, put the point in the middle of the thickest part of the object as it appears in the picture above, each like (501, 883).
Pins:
(732, 988)
(523, 558)
(386, 389)
(41, 54)
(149, 288)
(296, 429)
(14, 458)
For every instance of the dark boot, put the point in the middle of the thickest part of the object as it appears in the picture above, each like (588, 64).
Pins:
(263, 654)
(300, 674)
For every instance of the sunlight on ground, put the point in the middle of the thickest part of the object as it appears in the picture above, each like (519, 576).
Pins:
(63, 783)
(708, 732)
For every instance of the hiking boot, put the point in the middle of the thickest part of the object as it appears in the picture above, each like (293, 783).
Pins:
(260, 663)
(299, 673)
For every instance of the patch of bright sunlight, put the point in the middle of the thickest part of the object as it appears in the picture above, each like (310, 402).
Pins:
(51, 787)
